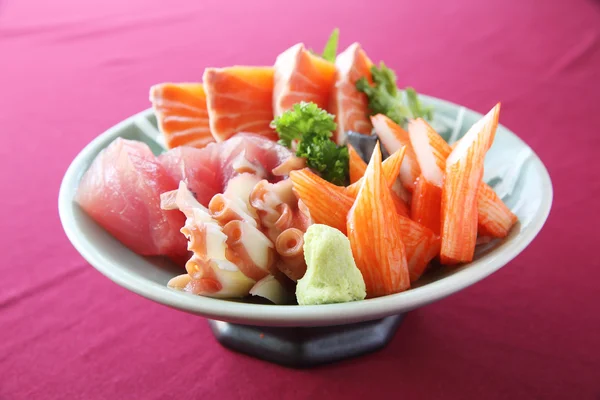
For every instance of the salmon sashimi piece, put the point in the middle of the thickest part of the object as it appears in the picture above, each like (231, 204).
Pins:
(495, 218)
(393, 137)
(422, 245)
(301, 76)
(121, 192)
(357, 166)
(464, 171)
(327, 203)
(351, 107)
(238, 99)
(180, 110)
(426, 204)
(197, 168)
(375, 234)
(391, 168)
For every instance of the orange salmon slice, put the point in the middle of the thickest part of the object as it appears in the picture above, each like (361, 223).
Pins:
(374, 231)
(301, 76)
(350, 106)
(180, 110)
(239, 100)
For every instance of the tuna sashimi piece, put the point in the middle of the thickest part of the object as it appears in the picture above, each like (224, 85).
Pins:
(350, 106)
(121, 192)
(207, 171)
(247, 152)
(198, 168)
(301, 76)
(180, 110)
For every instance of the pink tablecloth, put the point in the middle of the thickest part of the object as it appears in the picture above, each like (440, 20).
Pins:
(69, 69)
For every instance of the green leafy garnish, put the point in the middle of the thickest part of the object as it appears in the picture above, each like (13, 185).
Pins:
(330, 50)
(385, 98)
(414, 105)
(312, 127)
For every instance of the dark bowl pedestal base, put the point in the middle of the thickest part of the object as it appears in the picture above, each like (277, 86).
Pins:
(307, 347)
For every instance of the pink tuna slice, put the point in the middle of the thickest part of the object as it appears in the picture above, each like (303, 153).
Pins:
(197, 168)
(121, 192)
(207, 171)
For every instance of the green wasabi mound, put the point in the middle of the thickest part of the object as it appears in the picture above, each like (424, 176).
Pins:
(331, 274)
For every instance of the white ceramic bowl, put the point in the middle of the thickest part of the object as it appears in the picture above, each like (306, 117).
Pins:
(512, 168)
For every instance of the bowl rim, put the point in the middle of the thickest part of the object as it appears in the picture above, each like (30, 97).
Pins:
(286, 315)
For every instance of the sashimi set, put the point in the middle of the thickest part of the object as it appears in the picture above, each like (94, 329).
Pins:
(261, 192)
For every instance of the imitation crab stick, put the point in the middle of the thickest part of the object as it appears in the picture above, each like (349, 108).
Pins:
(374, 231)
(356, 165)
(494, 217)
(427, 196)
(391, 167)
(426, 204)
(422, 245)
(393, 137)
(464, 170)
(327, 203)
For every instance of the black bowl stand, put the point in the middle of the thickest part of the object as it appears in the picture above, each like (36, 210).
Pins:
(306, 347)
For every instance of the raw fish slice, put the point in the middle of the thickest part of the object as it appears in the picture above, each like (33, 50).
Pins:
(374, 231)
(211, 271)
(356, 166)
(464, 170)
(272, 289)
(207, 171)
(198, 168)
(301, 76)
(249, 249)
(239, 100)
(246, 149)
(393, 137)
(494, 217)
(327, 203)
(274, 204)
(121, 192)
(180, 110)
(348, 104)
(290, 247)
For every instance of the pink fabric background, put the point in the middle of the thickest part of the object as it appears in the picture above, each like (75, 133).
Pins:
(69, 69)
